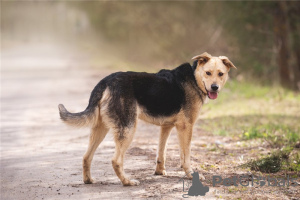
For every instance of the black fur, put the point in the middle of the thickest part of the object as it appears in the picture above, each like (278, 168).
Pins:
(159, 94)
(195, 63)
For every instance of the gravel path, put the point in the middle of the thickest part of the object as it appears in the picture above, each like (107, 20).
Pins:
(41, 157)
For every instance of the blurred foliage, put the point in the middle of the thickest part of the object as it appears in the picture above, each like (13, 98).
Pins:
(262, 38)
(164, 33)
(267, 33)
(159, 33)
(251, 24)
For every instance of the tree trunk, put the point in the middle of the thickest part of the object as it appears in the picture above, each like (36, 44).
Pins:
(293, 18)
(281, 36)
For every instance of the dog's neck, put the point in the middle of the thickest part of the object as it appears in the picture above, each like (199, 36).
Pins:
(199, 82)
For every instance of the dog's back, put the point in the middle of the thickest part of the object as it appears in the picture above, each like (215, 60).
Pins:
(160, 95)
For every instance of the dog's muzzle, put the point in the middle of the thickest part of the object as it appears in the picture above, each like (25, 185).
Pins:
(213, 94)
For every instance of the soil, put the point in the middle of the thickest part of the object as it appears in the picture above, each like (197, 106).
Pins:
(41, 158)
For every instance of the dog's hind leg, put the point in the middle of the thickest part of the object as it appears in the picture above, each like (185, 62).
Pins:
(161, 153)
(97, 135)
(123, 138)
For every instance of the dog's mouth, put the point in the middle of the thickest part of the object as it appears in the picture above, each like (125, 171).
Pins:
(212, 95)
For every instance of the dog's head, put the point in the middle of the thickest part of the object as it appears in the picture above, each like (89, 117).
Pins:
(211, 73)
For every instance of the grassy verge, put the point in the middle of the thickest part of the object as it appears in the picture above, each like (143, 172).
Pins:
(268, 115)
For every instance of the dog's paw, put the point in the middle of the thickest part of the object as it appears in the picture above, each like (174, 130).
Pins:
(188, 173)
(189, 176)
(88, 181)
(160, 172)
(201, 177)
(131, 182)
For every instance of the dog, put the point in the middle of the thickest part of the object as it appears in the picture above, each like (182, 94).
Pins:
(169, 98)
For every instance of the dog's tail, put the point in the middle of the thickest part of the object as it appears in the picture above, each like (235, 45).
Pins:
(88, 117)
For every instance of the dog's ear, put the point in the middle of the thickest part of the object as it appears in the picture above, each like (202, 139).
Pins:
(227, 62)
(203, 58)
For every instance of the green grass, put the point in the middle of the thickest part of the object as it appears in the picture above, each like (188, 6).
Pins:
(254, 132)
(277, 135)
(221, 132)
(285, 159)
(252, 90)
(268, 115)
(293, 164)
(242, 97)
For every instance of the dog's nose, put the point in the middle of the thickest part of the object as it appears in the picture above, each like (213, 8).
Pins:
(214, 87)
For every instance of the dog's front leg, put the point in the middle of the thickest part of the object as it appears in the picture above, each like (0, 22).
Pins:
(184, 132)
(161, 152)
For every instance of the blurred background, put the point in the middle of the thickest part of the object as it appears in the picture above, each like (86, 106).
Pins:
(56, 51)
(261, 38)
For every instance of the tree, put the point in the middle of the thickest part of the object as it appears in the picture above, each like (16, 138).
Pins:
(294, 24)
(281, 40)
(264, 31)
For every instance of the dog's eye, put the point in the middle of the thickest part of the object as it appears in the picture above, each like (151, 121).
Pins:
(220, 74)
(208, 73)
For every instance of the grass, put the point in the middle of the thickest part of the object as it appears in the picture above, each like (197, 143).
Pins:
(268, 115)
(277, 135)
(269, 164)
(246, 98)
(293, 164)
(285, 159)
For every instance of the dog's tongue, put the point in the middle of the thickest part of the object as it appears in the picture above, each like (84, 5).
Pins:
(212, 95)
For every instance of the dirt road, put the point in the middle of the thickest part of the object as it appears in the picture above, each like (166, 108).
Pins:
(41, 157)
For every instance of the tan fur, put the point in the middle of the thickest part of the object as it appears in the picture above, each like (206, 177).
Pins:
(214, 65)
(104, 109)
(118, 158)
(184, 121)
(80, 121)
(161, 151)
(96, 137)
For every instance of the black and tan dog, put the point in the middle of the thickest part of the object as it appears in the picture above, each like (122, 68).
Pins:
(169, 98)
